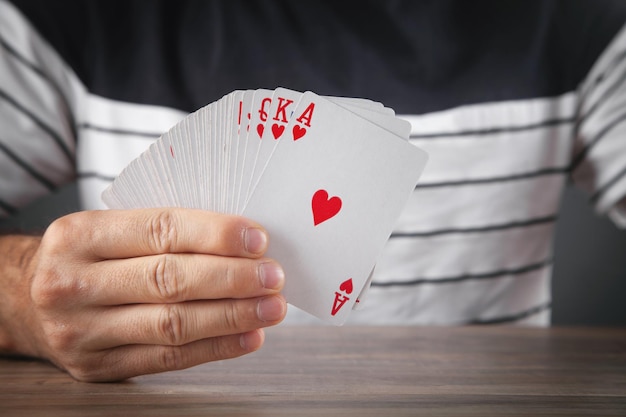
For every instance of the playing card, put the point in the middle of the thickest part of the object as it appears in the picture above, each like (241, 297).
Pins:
(329, 199)
(278, 110)
(360, 299)
(326, 176)
(244, 115)
(261, 101)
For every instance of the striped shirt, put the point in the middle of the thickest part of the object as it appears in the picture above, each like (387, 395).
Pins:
(511, 100)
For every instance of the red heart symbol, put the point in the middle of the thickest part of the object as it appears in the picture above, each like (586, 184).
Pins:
(346, 286)
(298, 132)
(323, 207)
(259, 130)
(277, 130)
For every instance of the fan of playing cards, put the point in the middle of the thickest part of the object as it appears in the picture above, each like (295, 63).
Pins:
(326, 176)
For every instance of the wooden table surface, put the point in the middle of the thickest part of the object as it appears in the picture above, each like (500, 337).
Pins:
(358, 371)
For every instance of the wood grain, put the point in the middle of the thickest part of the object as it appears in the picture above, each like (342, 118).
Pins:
(358, 371)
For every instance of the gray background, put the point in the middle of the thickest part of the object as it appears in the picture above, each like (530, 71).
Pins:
(590, 258)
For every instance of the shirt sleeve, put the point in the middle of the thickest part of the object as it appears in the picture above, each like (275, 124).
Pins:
(39, 98)
(598, 162)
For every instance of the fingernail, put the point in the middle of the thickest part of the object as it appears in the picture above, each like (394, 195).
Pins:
(271, 309)
(255, 240)
(244, 341)
(252, 341)
(272, 275)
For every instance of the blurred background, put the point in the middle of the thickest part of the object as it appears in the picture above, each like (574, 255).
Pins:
(589, 280)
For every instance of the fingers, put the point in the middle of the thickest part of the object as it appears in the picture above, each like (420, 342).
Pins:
(170, 288)
(132, 360)
(115, 234)
(181, 277)
(182, 323)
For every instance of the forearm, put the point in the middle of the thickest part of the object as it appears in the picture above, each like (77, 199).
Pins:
(16, 252)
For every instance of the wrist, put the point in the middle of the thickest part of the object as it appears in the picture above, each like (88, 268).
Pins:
(17, 336)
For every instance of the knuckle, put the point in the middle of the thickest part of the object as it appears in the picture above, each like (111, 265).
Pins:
(59, 233)
(234, 318)
(84, 372)
(240, 277)
(56, 278)
(229, 316)
(62, 338)
(44, 290)
(173, 358)
(59, 228)
(162, 232)
(229, 277)
(97, 367)
(91, 371)
(85, 375)
(62, 233)
(165, 277)
(52, 289)
(223, 348)
(171, 326)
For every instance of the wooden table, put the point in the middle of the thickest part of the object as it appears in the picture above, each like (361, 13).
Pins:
(358, 371)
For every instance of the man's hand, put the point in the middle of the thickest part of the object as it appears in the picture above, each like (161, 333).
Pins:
(107, 295)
